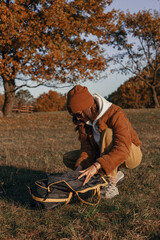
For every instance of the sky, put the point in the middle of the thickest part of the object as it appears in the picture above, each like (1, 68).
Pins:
(111, 82)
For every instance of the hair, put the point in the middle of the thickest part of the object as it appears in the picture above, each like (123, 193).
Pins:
(92, 112)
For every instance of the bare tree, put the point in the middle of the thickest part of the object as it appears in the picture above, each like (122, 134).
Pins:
(137, 42)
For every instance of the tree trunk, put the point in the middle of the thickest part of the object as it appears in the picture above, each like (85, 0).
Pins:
(9, 88)
(156, 103)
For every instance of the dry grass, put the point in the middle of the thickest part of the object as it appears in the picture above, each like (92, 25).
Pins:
(33, 144)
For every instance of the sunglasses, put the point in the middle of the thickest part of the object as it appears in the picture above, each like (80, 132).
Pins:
(77, 115)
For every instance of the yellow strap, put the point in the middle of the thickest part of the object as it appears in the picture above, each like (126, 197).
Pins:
(102, 176)
(98, 192)
(88, 203)
(95, 187)
(69, 198)
(49, 199)
(41, 185)
(95, 191)
(82, 191)
(61, 182)
(48, 188)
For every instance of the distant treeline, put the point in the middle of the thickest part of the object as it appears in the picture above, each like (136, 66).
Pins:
(131, 94)
(46, 102)
(134, 94)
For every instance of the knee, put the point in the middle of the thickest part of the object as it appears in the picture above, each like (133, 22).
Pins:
(68, 162)
(135, 157)
(70, 158)
(106, 140)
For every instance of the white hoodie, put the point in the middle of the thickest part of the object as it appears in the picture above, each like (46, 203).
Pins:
(103, 105)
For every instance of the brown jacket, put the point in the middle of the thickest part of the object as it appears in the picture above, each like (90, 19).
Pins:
(123, 136)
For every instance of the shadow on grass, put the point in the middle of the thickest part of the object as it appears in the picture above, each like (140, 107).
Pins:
(14, 182)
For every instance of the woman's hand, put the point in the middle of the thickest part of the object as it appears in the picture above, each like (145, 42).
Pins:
(79, 168)
(90, 172)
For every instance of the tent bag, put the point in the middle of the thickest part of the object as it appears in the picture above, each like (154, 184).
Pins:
(64, 188)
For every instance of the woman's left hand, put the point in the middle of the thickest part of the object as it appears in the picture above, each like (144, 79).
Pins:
(88, 172)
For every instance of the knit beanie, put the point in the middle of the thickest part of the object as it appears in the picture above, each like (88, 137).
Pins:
(79, 99)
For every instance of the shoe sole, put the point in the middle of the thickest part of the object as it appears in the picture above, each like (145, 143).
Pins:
(120, 179)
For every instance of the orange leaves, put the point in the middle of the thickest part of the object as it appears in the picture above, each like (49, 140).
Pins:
(137, 40)
(55, 41)
(49, 102)
(144, 23)
(133, 94)
(57, 28)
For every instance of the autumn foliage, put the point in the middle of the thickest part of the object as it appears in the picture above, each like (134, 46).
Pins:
(133, 94)
(49, 42)
(137, 42)
(51, 101)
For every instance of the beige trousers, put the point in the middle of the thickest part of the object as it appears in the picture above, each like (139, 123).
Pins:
(133, 159)
(106, 144)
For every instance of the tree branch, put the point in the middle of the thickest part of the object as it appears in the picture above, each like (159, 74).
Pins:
(41, 84)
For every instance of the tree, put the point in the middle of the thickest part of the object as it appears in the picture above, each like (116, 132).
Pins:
(138, 43)
(133, 94)
(51, 42)
(1, 101)
(50, 102)
(23, 97)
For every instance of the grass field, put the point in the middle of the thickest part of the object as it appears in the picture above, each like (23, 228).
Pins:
(33, 144)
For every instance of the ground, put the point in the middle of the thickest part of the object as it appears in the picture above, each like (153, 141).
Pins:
(33, 144)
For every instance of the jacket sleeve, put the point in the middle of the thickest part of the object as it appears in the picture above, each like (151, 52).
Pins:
(121, 143)
(87, 156)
